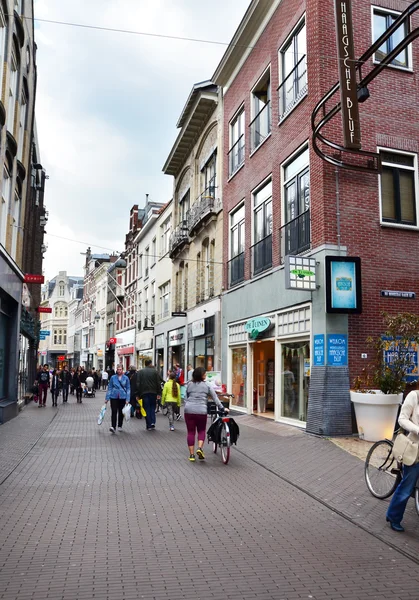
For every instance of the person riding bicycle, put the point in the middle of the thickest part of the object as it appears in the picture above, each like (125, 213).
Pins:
(196, 410)
(408, 420)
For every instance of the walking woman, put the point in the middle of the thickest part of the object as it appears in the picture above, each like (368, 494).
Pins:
(119, 393)
(196, 410)
(77, 384)
(171, 398)
(408, 420)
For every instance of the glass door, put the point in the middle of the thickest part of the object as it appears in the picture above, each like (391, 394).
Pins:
(295, 379)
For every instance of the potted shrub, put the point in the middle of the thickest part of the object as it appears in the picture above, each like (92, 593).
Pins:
(378, 391)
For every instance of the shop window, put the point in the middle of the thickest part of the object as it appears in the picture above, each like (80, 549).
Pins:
(398, 188)
(260, 127)
(4, 353)
(295, 235)
(295, 380)
(262, 228)
(237, 240)
(293, 71)
(382, 20)
(239, 376)
(237, 143)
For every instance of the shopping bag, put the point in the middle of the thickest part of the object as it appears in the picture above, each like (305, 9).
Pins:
(101, 415)
(142, 409)
(126, 411)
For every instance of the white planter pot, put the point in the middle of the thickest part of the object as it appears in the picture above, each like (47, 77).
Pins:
(376, 414)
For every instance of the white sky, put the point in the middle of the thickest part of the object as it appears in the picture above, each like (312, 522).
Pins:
(107, 107)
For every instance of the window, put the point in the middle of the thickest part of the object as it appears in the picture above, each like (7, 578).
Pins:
(208, 177)
(140, 266)
(61, 289)
(184, 208)
(153, 252)
(260, 127)
(146, 311)
(179, 289)
(398, 188)
(153, 303)
(5, 200)
(237, 232)
(164, 300)
(13, 85)
(60, 337)
(262, 228)
(3, 38)
(199, 279)
(22, 124)
(146, 259)
(237, 142)
(165, 237)
(295, 235)
(293, 71)
(382, 19)
(18, 6)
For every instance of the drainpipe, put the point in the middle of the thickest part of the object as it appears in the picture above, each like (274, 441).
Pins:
(337, 207)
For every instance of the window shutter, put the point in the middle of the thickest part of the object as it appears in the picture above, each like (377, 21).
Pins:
(407, 197)
(387, 195)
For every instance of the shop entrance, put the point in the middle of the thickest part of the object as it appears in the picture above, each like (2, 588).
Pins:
(295, 379)
(264, 378)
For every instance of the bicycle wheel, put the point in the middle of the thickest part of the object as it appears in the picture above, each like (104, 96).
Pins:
(381, 470)
(225, 443)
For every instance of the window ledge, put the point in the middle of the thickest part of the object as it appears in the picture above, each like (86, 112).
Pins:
(261, 144)
(399, 226)
(236, 171)
(287, 113)
(397, 68)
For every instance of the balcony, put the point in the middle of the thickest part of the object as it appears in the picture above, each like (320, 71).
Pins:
(260, 127)
(262, 255)
(236, 270)
(178, 238)
(205, 207)
(236, 156)
(294, 237)
(293, 88)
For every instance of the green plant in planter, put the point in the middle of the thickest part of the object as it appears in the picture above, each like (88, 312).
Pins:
(400, 336)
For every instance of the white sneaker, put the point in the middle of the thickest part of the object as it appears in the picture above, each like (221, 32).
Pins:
(119, 428)
(112, 429)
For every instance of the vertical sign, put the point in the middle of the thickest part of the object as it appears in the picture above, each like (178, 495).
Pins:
(347, 75)
(318, 359)
(337, 350)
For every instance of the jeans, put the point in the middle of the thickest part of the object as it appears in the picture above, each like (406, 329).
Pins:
(43, 390)
(149, 403)
(195, 423)
(65, 393)
(117, 404)
(402, 494)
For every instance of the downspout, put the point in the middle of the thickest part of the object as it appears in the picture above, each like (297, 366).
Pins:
(337, 208)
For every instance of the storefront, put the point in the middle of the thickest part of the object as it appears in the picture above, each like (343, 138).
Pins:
(176, 347)
(201, 343)
(160, 343)
(144, 349)
(125, 348)
(269, 364)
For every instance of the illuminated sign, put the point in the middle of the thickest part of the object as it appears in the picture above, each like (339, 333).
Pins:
(29, 278)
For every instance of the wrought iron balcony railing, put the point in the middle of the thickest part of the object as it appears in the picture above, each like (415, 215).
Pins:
(236, 270)
(295, 235)
(293, 88)
(260, 127)
(178, 237)
(236, 155)
(262, 255)
(205, 206)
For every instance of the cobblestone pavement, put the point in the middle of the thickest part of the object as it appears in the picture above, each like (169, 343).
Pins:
(85, 514)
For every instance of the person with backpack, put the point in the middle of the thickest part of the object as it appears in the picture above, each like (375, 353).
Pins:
(196, 410)
(171, 398)
(119, 393)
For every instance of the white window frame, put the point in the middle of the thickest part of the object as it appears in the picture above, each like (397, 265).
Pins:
(381, 9)
(236, 209)
(5, 202)
(165, 236)
(232, 141)
(13, 86)
(15, 221)
(287, 161)
(164, 291)
(301, 23)
(416, 180)
(258, 188)
(153, 255)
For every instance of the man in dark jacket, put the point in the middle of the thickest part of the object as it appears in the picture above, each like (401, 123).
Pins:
(65, 381)
(149, 386)
(43, 381)
(132, 376)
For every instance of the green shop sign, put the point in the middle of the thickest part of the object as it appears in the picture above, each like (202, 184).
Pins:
(257, 325)
(302, 273)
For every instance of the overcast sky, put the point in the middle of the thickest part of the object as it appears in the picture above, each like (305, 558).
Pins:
(107, 107)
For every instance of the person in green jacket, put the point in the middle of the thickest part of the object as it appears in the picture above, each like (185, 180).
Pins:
(171, 398)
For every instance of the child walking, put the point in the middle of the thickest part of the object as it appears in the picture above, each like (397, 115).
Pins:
(171, 398)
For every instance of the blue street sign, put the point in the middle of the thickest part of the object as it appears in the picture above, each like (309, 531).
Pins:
(44, 332)
(42, 337)
(318, 358)
(337, 350)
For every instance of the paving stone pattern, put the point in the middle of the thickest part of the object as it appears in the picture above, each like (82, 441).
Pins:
(87, 514)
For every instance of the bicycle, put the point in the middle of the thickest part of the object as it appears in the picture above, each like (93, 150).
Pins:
(224, 434)
(383, 472)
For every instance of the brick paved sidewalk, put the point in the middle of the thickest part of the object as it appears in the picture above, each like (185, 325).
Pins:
(86, 514)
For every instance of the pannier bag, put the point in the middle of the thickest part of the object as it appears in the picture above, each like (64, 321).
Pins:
(214, 431)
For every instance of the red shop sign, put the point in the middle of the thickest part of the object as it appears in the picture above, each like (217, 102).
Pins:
(60, 358)
(127, 350)
(29, 278)
(112, 341)
(44, 309)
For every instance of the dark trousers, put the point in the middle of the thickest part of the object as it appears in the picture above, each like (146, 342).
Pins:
(149, 403)
(65, 393)
(54, 394)
(116, 406)
(104, 384)
(43, 391)
(79, 393)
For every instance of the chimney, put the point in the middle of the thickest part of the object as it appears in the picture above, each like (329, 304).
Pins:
(133, 218)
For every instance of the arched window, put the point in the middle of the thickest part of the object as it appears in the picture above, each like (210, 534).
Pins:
(22, 119)
(61, 289)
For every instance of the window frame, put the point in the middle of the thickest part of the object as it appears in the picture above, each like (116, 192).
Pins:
(235, 210)
(267, 106)
(302, 22)
(388, 11)
(284, 181)
(240, 112)
(414, 155)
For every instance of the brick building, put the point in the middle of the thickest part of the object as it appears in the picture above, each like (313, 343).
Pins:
(281, 200)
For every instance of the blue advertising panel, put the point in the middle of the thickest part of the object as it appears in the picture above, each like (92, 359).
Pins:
(392, 351)
(337, 350)
(44, 332)
(343, 284)
(318, 358)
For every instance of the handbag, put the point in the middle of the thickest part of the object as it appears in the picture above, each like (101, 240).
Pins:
(405, 451)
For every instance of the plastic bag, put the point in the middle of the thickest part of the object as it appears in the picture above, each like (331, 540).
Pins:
(101, 415)
(142, 409)
(126, 411)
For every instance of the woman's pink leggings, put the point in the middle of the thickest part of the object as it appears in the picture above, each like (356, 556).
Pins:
(195, 423)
